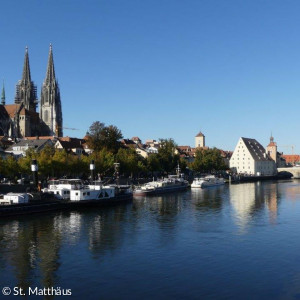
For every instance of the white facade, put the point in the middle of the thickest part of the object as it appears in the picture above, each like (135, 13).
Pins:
(250, 157)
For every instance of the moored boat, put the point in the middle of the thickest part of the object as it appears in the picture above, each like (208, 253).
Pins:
(207, 181)
(173, 183)
(79, 195)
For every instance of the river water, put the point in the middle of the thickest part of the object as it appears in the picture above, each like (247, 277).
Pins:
(229, 242)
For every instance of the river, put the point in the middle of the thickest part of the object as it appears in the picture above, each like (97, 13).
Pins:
(230, 242)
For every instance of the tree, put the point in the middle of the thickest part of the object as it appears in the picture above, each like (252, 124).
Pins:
(95, 135)
(129, 161)
(112, 135)
(166, 155)
(153, 163)
(101, 136)
(208, 160)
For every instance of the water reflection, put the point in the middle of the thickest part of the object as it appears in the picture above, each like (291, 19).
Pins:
(183, 230)
(249, 199)
(208, 199)
(26, 245)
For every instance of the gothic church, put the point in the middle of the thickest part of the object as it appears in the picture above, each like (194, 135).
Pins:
(21, 119)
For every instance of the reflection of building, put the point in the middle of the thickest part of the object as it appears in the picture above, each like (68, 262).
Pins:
(250, 157)
(242, 198)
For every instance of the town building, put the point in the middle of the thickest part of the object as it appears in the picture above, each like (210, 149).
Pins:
(250, 157)
(70, 145)
(19, 149)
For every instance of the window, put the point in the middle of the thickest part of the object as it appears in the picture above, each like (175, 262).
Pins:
(46, 116)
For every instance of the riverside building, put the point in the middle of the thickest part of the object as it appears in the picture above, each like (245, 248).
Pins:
(250, 157)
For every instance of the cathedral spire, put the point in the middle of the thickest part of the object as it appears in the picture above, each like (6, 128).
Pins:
(25, 89)
(50, 75)
(3, 95)
(26, 77)
(50, 105)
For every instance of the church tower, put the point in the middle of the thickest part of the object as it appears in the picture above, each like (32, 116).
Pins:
(272, 149)
(25, 89)
(50, 108)
(3, 95)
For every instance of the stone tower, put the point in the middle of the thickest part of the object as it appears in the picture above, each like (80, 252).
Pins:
(272, 149)
(25, 89)
(50, 108)
(3, 95)
(200, 140)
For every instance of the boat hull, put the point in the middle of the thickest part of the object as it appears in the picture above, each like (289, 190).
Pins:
(160, 190)
(48, 205)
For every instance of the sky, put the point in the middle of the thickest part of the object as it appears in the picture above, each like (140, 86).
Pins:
(164, 68)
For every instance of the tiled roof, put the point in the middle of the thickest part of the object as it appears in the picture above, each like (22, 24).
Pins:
(71, 143)
(30, 143)
(256, 150)
(12, 109)
(291, 158)
(200, 134)
(40, 138)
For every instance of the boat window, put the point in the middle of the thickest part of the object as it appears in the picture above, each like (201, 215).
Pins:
(76, 194)
(88, 193)
(83, 194)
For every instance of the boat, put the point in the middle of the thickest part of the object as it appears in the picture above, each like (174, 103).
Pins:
(61, 188)
(207, 181)
(172, 183)
(65, 195)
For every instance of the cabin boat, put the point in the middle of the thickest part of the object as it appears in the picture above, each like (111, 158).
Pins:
(207, 181)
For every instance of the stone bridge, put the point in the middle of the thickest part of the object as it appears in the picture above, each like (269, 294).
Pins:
(293, 170)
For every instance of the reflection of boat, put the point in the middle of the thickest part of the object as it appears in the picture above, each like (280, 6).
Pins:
(171, 184)
(207, 181)
(72, 197)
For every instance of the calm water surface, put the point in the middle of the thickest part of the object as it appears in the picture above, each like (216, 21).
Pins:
(231, 242)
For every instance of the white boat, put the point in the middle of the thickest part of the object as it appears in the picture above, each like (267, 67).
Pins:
(207, 181)
(76, 190)
(99, 192)
(61, 188)
(171, 184)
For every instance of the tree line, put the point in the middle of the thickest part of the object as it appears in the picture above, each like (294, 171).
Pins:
(107, 149)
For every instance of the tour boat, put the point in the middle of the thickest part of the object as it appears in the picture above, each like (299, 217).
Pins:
(207, 181)
(171, 184)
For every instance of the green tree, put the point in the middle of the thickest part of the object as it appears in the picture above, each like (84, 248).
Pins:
(101, 136)
(44, 160)
(11, 168)
(129, 161)
(208, 160)
(153, 163)
(167, 155)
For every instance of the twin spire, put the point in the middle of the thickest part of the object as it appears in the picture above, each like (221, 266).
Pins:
(50, 75)
(26, 91)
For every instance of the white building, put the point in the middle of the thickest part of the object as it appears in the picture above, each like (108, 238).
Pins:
(250, 157)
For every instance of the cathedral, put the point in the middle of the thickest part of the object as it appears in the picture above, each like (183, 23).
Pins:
(21, 119)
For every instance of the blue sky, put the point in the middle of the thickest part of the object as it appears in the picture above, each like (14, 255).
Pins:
(164, 68)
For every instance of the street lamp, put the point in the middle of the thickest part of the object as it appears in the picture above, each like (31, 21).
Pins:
(34, 169)
(116, 174)
(92, 168)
